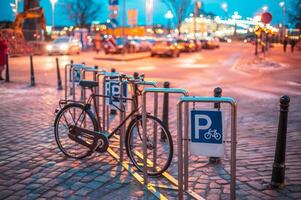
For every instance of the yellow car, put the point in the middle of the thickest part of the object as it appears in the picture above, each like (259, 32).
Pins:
(169, 48)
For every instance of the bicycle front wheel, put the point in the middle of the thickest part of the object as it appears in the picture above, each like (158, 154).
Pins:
(73, 114)
(159, 145)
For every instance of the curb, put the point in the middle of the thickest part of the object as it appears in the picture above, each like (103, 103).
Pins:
(122, 59)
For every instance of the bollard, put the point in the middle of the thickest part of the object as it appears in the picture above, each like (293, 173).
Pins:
(7, 70)
(95, 73)
(59, 80)
(32, 79)
(113, 111)
(135, 89)
(278, 173)
(217, 93)
(165, 109)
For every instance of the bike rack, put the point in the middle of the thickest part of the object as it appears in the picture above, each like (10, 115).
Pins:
(155, 91)
(183, 158)
(182, 183)
(106, 75)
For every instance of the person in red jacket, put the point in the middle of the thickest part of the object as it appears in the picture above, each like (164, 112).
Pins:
(3, 49)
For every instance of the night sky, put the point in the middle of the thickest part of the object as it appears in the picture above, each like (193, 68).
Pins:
(245, 8)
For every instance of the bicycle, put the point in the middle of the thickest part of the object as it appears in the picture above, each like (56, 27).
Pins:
(78, 132)
(212, 133)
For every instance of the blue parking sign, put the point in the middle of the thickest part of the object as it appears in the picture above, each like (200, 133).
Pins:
(206, 132)
(113, 2)
(206, 126)
(113, 90)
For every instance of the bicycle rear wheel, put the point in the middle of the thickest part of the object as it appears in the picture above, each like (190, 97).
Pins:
(73, 114)
(159, 152)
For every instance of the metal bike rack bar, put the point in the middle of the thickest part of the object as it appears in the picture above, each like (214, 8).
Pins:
(144, 94)
(74, 67)
(105, 76)
(184, 177)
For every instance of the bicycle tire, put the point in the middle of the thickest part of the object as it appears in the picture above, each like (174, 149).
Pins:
(132, 155)
(57, 125)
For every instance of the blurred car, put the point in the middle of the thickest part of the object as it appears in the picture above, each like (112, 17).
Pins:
(210, 43)
(145, 44)
(133, 45)
(113, 45)
(187, 45)
(251, 40)
(225, 39)
(198, 44)
(162, 47)
(64, 45)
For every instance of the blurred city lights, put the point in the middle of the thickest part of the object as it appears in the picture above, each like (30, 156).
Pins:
(225, 7)
(168, 14)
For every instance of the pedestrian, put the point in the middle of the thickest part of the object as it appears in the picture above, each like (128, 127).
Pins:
(293, 44)
(3, 50)
(285, 44)
(97, 42)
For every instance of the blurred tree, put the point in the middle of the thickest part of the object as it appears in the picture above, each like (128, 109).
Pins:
(295, 17)
(180, 9)
(294, 13)
(82, 12)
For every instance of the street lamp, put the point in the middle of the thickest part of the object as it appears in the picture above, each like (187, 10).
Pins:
(282, 5)
(53, 2)
(235, 17)
(265, 8)
(225, 8)
(169, 16)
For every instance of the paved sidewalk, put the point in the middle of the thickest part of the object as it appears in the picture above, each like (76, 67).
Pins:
(32, 167)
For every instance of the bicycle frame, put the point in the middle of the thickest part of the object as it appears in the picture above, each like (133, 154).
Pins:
(136, 108)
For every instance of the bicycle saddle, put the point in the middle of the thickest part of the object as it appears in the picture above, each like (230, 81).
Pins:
(88, 84)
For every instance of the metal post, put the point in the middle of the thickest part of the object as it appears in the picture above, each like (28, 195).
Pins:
(73, 82)
(233, 149)
(165, 109)
(7, 70)
(155, 130)
(32, 79)
(71, 76)
(278, 174)
(145, 175)
(186, 140)
(180, 150)
(59, 80)
(104, 106)
(96, 89)
(217, 93)
(82, 89)
(113, 111)
(122, 112)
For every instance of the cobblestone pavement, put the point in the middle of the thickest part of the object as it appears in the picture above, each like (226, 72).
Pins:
(32, 167)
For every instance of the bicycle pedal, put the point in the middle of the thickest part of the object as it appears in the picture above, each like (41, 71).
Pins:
(117, 132)
(90, 153)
